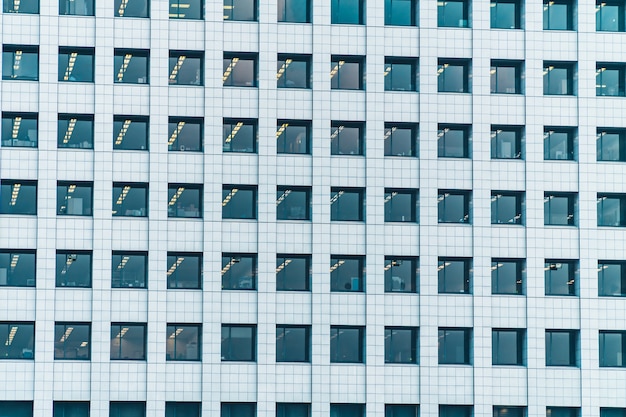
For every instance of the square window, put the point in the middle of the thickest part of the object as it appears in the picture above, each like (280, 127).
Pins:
(75, 131)
(611, 278)
(401, 345)
(76, 7)
(505, 14)
(240, 135)
(20, 62)
(293, 343)
(506, 142)
(558, 143)
(186, 67)
(506, 76)
(453, 13)
(347, 138)
(561, 347)
(293, 203)
(293, 137)
(347, 204)
(561, 277)
(185, 201)
(401, 410)
(132, 8)
(401, 12)
(130, 199)
(184, 270)
(401, 274)
(72, 341)
(507, 346)
(17, 268)
(183, 409)
(454, 275)
(74, 198)
(294, 11)
(238, 344)
(454, 347)
(507, 276)
(185, 134)
(347, 72)
(297, 410)
(610, 79)
(242, 10)
(128, 341)
(401, 205)
(293, 71)
(507, 207)
(453, 206)
(401, 74)
(73, 269)
(129, 269)
(131, 133)
(131, 66)
(186, 9)
(240, 69)
(347, 344)
(127, 409)
(18, 408)
(349, 12)
(401, 139)
(558, 78)
(70, 409)
(612, 412)
(453, 75)
(610, 144)
(239, 271)
(22, 337)
(612, 348)
(612, 210)
(19, 130)
(558, 14)
(610, 16)
(347, 273)
(76, 64)
(453, 141)
(508, 411)
(18, 197)
(347, 410)
(183, 342)
(20, 6)
(239, 202)
(293, 272)
(559, 209)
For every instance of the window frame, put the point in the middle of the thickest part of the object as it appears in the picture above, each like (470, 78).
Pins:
(143, 211)
(234, 125)
(71, 256)
(282, 193)
(28, 351)
(251, 212)
(283, 140)
(176, 57)
(520, 276)
(465, 64)
(282, 18)
(517, 20)
(243, 282)
(229, 5)
(413, 194)
(573, 347)
(174, 260)
(444, 147)
(229, 69)
(283, 355)
(77, 185)
(87, 4)
(570, 20)
(336, 143)
(496, 215)
(16, 140)
(467, 206)
(121, 11)
(602, 281)
(71, 408)
(23, 51)
(336, 64)
(399, 17)
(66, 53)
(335, 196)
(518, 67)
(175, 4)
(20, 7)
(392, 351)
(464, 22)
(390, 129)
(69, 121)
(621, 15)
(443, 334)
(175, 131)
(227, 356)
(549, 84)
(283, 70)
(60, 340)
(173, 330)
(282, 264)
(572, 207)
(573, 277)
(120, 135)
(568, 154)
(602, 89)
(497, 351)
(118, 75)
(18, 186)
(497, 152)
(14, 256)
(601, 133)
(412, 63)
(390, 286)
(605, 198)
(357, 355)
(338, 19)
(119, 328)
(603, 348)
(445, 282)
(174, 195)
(336, 279)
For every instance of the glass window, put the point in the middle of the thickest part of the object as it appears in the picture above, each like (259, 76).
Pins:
(453, 75)
(128, 341)
(131, 66)
(76, 7)
(347, 204)
(346, 138)
(18, 197)
(70, 409)
(185, 200)
(293, 137)
(505, 14)
(131, 133)
(243, 10)
(559, 209)
(75, 131)
(183, 342)
(186, 67)
(347, 410)
(611, 278)
(610, 144)
(19, 130)
(74, 198)
(401, 12)
(561, 277)
(612, 210)
(76, 64)
(17, 268)
(562, 412)
(506, 76)
(127, 409)
(558, 14)
(240, 69)
(72, 341)
(507, 347)
(129, 269)
(186, 9)
(401, 205)
(20, 62)
(240, 135)
(19, 340)
(20, 6)
(401, 274)
(293, 343)
(347, 72)
(610, 79)
(401, 139)
(508, 411)
(506, 142)
(401, 410)
(454, 346)
(73, 269)
(184, 270)
(293, 71)
(239, 343)
(239, 271)
(612, 348)
(239, 201)
(453, 13)
(558, 78)
(401, 345)
(453, 206)
(346, 344)
(293, 272)
(293, 203)
(454, 275)
(300, 410)
(238, 410)
(558, 143)
(17, 408)
(132, 8)
(185, 134)
(347, 273)
(294, 11)
(455, 411)
(453, 141)
(401, 74)
(507, 276)
(561, 346)
(612, 412)
(507, 207)
(610, 15)
(349, 12)
(130, 199)
(180, 409)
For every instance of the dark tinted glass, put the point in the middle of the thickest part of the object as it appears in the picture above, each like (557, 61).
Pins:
(401, 205)
(347, 410)
(73, 269)
(175, 409)
(75, 131)
(453, 141)
(131, 66)
(506, 142)
(505, 14)
(293, 71)
(347, 204)
(186, 67)
(454, 275)
(453, 206)
(243, 10)
(346, 344)
(401, 12)
(19, 340)
(294, 11)
(558, 15)
(238, 202)
(128, 341)
(293, 343)
(401, 274)
(453, 13)
(186, 9)
(74, 198)
(401, 345)
(454, 346)
(558, 144)
(239, 271)
(559, 209)
(346, 73)
(558, 79)
(20, 6)
(293, 272)
(132, 8)
(610, 145)
(20, 62)
(561, 277)
(561, 347)
(346, 138)
(506, 207)
(507, 347)
(130, 199)
(346, 11)
(76, 7)
(505, 77)
(239, 70)
(612, 348)
(610, 16)
(183, 342)
(238, 410)
(17, 268)
(76, 64)
(238, 343)
(401, 410)
(185, 200)
(293, 203)
(185, 134)
(299, 410)
(347, 273)
(129, 269)
(127, 409)
(184, 270)
(612, 278)
(612, 210)
(130, 133)
(72, 341)
(18, 197)
(19, 130)
(240, 135)
(71, 409)
(507, 276)
(400, 74)
(293, 137)
(400, 139)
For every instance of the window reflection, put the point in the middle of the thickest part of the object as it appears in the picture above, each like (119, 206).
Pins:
(507, 276)
(454, 347)
(184, 270)
(558, 143)
(612, 210)
(128, 341)
(401, 12)
(507, 347)
(347, 273)
(17, 268)
(346, 72)
(453, 141)
(346, 344)
(132, 8)
(293, 137)
(505, 14)
(454, 206)
(400, 139)
(400, 74)
(611, 278)
(243, 10)
(20, 6)
(401, 205)
(293, 272)
(240, 135)
(559, 209)
(507, 207)
(131, 66)
(186, 9)
(72, 341)
(294, 11)
(612, 349)
(20, 62)
(401, 345)
(610, 15)
(75, 131)
(293, 343)
(347, 204)
(293, 203)
(76, 64)
(453, 75)
(239, 271)
(506, 142)
(186, 67)
(76, 7)
(185, 134)
(73, 269)
(240, 70)
(239, 202)
(401, 274)
(561, 346)
(454, 275)
(22, 336)
(238, 343)
(19, 130)
(558, 15)
(610, 80)
(453, 13)
(130, 132)
(183, 342)
(561, 277)
(185, 200)
(558, 78)
(611, 145)
(130, 199)
(129, 269)
(506, 77)
(347, 12)
(18, 197)
(293, 71)
(74, 198)
(346, 138)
